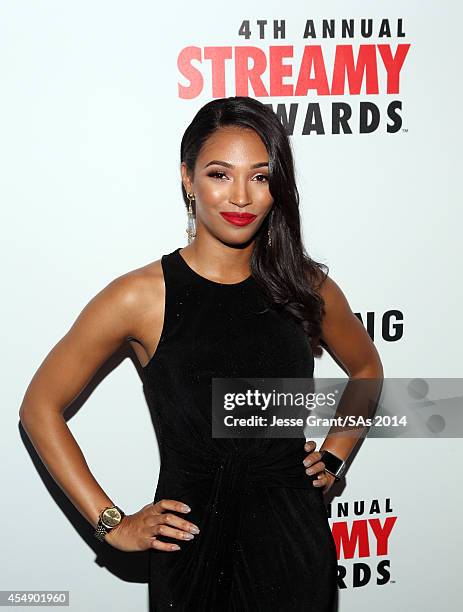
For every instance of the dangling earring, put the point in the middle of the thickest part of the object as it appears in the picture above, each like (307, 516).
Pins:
(269, 239)
(191, 227)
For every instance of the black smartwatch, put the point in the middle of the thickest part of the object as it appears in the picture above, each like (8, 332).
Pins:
(333, 464)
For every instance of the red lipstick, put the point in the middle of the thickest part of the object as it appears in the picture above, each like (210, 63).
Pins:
(238, 218)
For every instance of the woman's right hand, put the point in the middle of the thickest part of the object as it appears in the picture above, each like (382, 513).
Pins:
(140, 531)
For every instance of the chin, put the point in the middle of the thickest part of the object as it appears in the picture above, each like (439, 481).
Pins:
(242, 240)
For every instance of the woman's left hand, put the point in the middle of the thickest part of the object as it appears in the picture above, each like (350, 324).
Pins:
(314, 465)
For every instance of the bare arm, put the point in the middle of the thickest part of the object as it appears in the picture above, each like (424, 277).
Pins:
(102, 326)
(346, 338)
(349, 343)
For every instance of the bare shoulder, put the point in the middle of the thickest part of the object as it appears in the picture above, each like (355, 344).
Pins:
(126, 306)
(133, 288)
(343, 332)
(130, 306)
(139, 293)
(337, 310)
(332, 294)
(323, 285)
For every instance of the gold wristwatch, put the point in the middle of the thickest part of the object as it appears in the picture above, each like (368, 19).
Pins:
(109, 518)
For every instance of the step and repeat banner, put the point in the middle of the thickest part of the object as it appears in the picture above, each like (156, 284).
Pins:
(95, 99)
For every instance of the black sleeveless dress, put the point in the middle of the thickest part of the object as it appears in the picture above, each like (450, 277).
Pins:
(264, 542)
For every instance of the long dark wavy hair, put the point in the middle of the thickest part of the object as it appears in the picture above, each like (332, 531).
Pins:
(286, 273)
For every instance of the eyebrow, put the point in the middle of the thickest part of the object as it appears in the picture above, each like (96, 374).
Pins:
(227, 165)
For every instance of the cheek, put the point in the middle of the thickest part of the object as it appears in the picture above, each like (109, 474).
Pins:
(263, 198)
(211, 193)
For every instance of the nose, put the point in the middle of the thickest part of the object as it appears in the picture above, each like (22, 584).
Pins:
(239, 194)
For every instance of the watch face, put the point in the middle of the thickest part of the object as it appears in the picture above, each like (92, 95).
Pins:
(332, 463)
(111, 517)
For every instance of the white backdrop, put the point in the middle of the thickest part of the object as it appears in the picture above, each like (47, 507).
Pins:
(91, 121)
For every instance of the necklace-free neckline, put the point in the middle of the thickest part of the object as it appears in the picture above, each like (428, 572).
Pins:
(208, 280)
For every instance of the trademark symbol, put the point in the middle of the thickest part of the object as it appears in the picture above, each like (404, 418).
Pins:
(392, 581)
(405, 130)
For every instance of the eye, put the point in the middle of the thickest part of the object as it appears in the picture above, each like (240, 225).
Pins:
(217, 174)
(262, 176)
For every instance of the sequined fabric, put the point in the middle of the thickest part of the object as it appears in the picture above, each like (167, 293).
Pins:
(265, 542)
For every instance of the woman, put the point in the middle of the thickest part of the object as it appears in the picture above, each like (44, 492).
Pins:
(236, 524)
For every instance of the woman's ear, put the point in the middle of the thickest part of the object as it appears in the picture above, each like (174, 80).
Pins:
(186, 180)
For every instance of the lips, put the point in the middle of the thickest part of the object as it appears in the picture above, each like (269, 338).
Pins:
(238, 218)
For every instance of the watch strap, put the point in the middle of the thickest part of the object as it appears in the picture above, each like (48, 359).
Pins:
(100, 531)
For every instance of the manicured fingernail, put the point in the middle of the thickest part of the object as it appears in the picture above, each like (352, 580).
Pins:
(194, 529)
(188, 536)
(175, 547)
(310, 471)
(186, 508)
